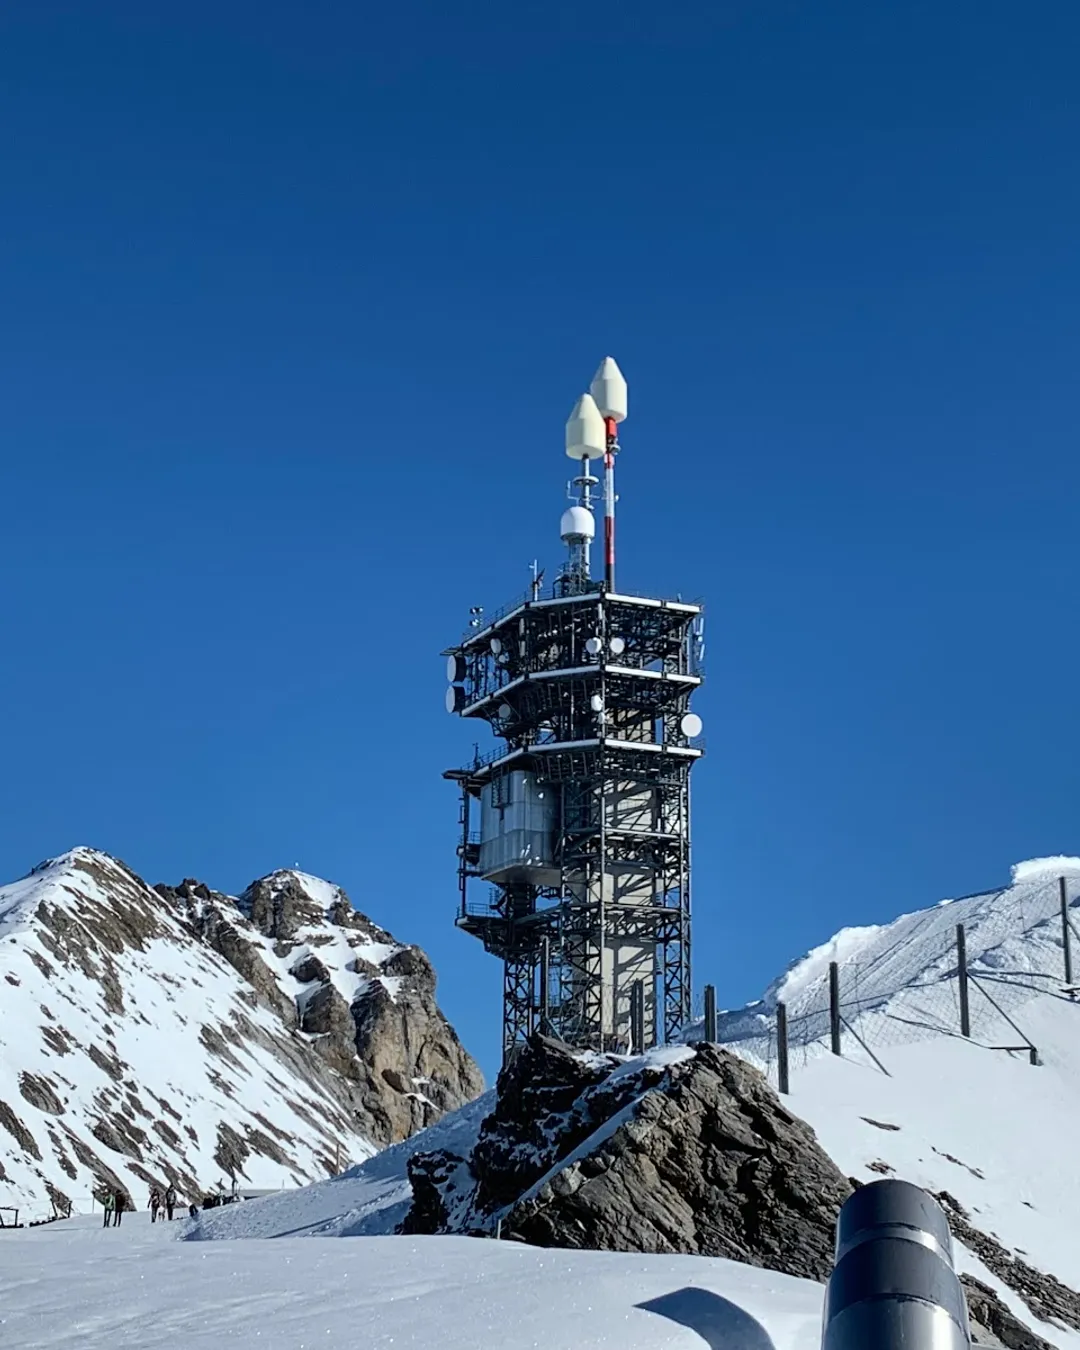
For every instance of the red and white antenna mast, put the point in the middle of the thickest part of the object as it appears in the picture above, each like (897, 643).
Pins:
(609, 393)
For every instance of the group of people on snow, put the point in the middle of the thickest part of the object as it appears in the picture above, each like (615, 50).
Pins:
(161, 1202)
(166, 1201)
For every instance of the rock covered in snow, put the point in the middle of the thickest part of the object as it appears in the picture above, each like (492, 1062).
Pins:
(367, 1000)
(177, 1035)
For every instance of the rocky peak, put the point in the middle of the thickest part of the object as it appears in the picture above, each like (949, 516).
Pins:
(179, 1034)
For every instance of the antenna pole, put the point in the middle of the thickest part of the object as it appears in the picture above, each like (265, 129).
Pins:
(612, 428)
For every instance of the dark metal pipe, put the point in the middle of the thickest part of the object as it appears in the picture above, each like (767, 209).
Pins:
(894, 1286)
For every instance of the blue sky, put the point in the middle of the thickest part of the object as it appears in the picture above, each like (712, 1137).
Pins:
(295, 302)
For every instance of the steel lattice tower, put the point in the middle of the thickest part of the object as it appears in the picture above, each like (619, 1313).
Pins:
(579, 819)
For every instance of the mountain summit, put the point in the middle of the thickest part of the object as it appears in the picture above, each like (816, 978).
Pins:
(176, 1034)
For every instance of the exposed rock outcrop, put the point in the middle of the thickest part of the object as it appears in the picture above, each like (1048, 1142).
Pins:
(693, 1156)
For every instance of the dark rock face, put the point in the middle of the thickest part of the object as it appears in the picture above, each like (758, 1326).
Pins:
(699, 1156)
(991, 1321)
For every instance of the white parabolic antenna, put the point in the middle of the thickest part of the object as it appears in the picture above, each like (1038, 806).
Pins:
(455, 668)
(592, 646)
(586, 435)
(596, 703)
(577, 522)
(691, 725)
(505, 712)
(609, 390)
(455, 698)
(618, 646)
(496, 646)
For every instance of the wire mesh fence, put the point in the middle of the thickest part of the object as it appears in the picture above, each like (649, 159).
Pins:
(963, 968)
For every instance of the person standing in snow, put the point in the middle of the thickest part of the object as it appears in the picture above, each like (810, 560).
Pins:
(108, 1204)
(119, 1205)
(155, 1203)
(170, 1200)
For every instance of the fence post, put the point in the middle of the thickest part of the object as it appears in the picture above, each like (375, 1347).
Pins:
(834, 1006)
(962, 970)
(1065, 944)
(710, 1013)
(781, 1047)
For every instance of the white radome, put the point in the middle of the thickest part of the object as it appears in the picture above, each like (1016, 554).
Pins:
(586, 435)
(577, 523)
(608, 389)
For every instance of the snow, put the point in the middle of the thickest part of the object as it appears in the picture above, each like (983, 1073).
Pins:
(74, 1286)
(1038, 868)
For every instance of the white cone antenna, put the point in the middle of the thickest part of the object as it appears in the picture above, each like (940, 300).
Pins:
(608, 390)
(585, 431)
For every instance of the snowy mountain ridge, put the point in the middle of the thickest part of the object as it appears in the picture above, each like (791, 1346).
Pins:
(898, 981)
(156, 1035)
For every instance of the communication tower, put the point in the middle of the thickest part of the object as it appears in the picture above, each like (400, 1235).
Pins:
(577, 823)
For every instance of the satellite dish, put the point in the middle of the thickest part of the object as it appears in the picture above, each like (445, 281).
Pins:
(596, 703)
(505, 712)
(496, 646)
(455, 698)
(691, 725)
(618, 646)
(455, 667)
(593, 645)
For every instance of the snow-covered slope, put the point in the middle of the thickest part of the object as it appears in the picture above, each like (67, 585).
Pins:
(74, 1287)
(149, 1036)
(949, 1113)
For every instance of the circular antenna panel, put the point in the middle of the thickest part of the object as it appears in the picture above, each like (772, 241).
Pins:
(455, 698)
(455, 668)
(593, 645)
(505, 712)
(596, 703)
(618, 646)
(691, 725)
(496, 646)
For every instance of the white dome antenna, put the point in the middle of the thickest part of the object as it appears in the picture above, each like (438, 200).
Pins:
(578, 525)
